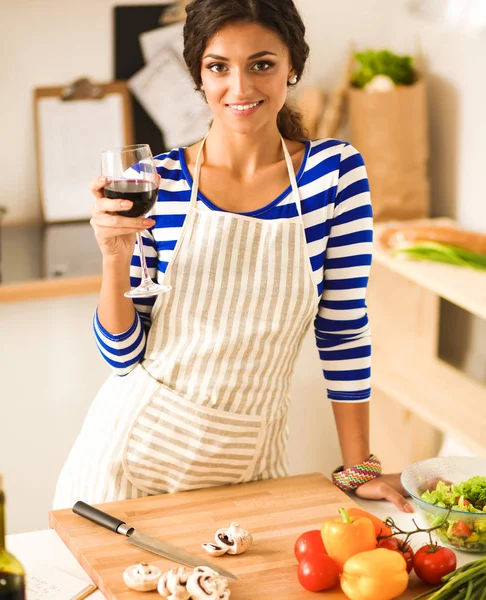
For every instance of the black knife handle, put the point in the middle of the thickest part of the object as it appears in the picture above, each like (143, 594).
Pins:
(97, 516)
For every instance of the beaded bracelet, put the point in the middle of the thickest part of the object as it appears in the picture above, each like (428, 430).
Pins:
(351, 478)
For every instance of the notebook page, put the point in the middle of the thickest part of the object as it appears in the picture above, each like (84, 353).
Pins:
(44, 582)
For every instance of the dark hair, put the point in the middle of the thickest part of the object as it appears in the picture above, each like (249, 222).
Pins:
(206, 17)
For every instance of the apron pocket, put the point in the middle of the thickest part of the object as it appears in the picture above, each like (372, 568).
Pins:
(178, 445)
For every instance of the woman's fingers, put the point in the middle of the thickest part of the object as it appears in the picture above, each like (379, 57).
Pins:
(123, 224)
(112, 221)
(104, 205)
(397, 499)
(97, 186)
(102, 232)
(385, 487)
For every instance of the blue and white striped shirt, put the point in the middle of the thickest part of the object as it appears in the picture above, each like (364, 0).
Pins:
(337, 216)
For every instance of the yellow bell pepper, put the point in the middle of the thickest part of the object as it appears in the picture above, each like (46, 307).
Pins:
(347, 536)
(379, 574)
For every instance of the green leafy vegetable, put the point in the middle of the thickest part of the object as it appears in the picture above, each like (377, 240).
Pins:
(444, 253)
(465, 526)
(382, 62)
(453, 496)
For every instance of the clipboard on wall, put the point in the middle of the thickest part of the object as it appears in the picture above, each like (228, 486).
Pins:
(73, 125)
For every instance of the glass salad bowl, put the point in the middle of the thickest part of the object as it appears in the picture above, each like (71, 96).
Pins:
(455, 483)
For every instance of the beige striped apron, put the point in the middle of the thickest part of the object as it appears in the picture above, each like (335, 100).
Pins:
(208, 405)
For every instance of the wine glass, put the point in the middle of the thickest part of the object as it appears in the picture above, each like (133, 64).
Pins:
(131, 174)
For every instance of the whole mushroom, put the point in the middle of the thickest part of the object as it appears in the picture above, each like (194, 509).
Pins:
(206, 584)
(142, 577)
(231, 540)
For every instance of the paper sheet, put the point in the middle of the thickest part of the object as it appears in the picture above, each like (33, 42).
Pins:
(49, 583)
(166, 91)
(170, 36)
(72, 136)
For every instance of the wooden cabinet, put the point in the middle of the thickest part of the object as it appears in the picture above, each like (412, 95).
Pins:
(417, 397)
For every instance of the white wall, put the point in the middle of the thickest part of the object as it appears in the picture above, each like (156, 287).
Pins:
(50, 369)
(51, 42)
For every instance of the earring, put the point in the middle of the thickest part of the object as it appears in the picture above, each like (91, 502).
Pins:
(293, 80)
(202, 88)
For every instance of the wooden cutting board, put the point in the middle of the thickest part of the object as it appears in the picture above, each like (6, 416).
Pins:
(275, 511)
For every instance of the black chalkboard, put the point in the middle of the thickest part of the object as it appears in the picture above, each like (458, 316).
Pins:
(129, 23)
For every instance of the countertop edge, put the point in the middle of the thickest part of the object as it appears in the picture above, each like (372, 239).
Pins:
(49, 288)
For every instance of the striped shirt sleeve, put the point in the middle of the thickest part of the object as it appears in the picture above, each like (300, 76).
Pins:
(125, 350)
(341, 325)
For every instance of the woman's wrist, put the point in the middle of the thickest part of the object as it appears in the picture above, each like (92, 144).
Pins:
(351, 478)
(113, 263)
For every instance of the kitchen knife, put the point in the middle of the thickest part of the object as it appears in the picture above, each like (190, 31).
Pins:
(144, 541)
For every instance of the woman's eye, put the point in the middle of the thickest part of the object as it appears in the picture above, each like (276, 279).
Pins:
(217, 67)
(263, 65)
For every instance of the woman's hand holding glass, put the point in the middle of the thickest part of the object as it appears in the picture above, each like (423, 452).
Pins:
(125, 193)
(114, 233)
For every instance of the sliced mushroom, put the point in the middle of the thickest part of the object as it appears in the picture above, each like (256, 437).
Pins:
(235, 539)
(172, 584)
(214, 549)
(206, 584)
(142, 577)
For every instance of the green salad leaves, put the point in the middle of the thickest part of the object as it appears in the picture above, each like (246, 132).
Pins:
(466, 531)
(382, 62)
(467, 496)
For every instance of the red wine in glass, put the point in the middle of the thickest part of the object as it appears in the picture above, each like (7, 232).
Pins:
(131, 175)
(142, 193)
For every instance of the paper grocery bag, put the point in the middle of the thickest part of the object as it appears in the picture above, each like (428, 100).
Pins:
(390, 129)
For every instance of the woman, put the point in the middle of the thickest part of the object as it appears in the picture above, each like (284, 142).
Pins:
(199, 396)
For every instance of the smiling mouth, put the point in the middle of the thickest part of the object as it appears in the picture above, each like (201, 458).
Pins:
(243, 107)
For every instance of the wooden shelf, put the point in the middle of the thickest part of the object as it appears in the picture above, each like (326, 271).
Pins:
(438, 393)
(461, 286)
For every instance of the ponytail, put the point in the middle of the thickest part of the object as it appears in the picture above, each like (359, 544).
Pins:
(290, 124)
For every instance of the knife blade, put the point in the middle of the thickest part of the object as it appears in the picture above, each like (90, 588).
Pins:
(144, 541)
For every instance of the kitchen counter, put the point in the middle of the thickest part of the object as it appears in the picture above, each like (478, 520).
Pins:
(47, 544)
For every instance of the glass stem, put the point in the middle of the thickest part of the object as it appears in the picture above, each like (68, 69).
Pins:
(146, 279)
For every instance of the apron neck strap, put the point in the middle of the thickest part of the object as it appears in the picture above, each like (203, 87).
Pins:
(197, 171)
(293, 180)
(290, 168)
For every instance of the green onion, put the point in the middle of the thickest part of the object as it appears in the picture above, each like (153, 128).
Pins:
(444, 253)
(466, 583)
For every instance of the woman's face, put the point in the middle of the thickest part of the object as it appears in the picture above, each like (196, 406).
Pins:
(245, 70)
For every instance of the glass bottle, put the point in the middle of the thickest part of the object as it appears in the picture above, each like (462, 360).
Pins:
(12, 576)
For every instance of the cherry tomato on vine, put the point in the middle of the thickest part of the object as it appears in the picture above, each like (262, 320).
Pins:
(405, 549)
(318, 572)
(309, 542)
(431, 562)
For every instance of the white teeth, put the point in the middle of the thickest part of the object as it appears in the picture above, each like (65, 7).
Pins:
(245, 106)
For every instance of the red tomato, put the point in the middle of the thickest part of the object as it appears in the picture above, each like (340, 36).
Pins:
(309, 542)
(432, 562)
(405, 550)
(466, 502)
(318, 572)
(460, 529)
